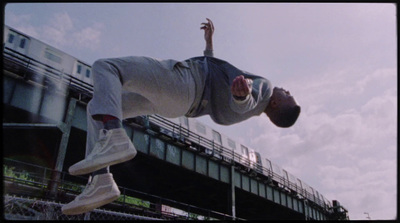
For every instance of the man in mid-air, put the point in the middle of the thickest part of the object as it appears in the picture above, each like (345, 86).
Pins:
(131, 86)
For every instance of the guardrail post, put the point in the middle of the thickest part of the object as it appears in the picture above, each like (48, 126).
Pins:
(62, 150)
(233, 199)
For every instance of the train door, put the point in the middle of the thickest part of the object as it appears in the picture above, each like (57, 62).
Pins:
(309, 192)
(17, 42)
(22, 46)
(79, 71)
(231, 146)
(286, 178)
(217, 144)
(244, 158)
(268, 166)
(255, 160)
(10, 39)
(184, 127)
(293, 184)
(87, 76)
(200, 129)
(278, 175)
(259, 162)
(82, 74)
(252, 159)
(200, 138)
(300, 185)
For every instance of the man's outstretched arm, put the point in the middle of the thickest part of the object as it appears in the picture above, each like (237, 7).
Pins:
(208, 28)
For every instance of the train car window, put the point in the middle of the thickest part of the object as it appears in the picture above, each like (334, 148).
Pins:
(232, 144)
(78, 68)
(245, 151)
(87, 73)
(22, 43)
(217, 136)
(201, 128)
(258, 158)
(277, 169)
(52, 57)
(11, 38)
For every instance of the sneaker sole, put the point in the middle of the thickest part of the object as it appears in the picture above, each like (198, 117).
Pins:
(88, 207)
(106, 161)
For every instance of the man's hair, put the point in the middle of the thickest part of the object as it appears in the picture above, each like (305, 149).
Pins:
(285, 116)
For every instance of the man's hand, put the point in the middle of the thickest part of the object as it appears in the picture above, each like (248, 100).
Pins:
(241, 87)
(208, 33)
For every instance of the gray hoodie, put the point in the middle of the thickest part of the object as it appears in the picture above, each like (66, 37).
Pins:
(214, 92)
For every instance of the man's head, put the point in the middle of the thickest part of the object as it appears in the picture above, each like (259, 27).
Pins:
(282, 109)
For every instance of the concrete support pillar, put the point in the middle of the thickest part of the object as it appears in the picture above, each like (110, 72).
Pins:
(62, 150)
(305, 209)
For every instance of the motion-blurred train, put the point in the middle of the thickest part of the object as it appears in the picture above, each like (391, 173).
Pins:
(43, 63)
(47, 65)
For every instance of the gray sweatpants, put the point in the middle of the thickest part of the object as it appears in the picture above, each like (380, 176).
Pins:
(131, 86)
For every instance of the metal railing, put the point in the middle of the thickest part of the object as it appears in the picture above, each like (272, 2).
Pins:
(182, 134)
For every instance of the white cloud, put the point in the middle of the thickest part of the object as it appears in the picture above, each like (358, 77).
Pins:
(53, 36)
(60, 31)
(62, 21)
(378, 79)
(89, 36)
(369, 184)
(345, 151)
(14, 19)
(21, 23)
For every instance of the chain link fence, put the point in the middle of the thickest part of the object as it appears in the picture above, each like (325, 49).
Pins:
(25, 197)
(20, 208)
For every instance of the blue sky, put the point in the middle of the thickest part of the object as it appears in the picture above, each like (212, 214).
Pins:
(338, 60)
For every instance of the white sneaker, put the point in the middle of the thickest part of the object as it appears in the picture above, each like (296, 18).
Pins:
(100, 191)
(114, 146)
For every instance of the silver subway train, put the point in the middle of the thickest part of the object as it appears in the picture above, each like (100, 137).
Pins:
(46, 64)
(52, 66)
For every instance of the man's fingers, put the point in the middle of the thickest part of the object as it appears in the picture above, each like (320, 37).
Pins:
(208, 24)
(243, 87)
(211, 23)
(205, 26)
(240, 87)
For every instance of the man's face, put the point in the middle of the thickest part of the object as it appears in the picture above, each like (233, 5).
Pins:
(283, 97)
